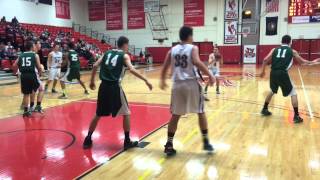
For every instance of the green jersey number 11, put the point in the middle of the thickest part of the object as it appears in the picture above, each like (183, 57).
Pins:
(281, 53)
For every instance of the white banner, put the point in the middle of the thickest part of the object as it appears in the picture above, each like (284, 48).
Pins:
(231, 9)
(231, 32)
(249, 54)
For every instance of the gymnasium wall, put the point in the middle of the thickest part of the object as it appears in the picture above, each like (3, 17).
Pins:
(297, 31)
(213, 30)
(29, 12)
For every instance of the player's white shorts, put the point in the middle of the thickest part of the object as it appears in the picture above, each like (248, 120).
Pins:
(187, 97)
(54, 73)
(215, 71)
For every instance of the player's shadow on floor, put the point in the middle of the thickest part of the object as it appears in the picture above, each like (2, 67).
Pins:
(181, 154)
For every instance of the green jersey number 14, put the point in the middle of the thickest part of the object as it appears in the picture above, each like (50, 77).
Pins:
(112, 61)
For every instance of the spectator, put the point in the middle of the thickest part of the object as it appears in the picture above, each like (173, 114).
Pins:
(3, 19)
(2, 51)
(14, 22)
(18, 52)
(141, 54)
(8, 46)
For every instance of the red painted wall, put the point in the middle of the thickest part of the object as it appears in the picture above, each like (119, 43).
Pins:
(231, 54)
(263, 52)
(158, 53)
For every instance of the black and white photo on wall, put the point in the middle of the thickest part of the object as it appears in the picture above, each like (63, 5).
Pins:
(271, 26)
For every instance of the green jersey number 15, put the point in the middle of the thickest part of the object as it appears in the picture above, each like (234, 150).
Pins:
(26, 61)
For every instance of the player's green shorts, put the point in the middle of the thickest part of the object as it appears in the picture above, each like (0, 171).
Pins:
(71, 74)
(280, 78)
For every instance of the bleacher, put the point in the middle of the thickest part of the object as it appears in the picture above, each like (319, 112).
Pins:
(6, 64)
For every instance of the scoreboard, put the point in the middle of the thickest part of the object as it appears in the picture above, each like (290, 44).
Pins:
(304, 11)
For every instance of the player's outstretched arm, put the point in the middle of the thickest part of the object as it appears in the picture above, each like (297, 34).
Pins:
(197, 62)
(300, 59)
(166, 65)
(38, 65)
(15, 64)
(315, 62)
(49, 60)
(211, 59)
(127, 61)
(94, 72)
(266, 61)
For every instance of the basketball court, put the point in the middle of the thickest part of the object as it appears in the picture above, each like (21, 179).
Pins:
(247, 145)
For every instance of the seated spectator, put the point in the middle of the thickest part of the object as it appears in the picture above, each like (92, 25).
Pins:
(2, 51)
(19, 52)
(14, 22)
(8, 46)
(141, 54)
(3, 19)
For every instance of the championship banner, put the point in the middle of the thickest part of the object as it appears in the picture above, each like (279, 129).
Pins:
(249, 54)
(114, 15)
(231, 9)
(194, 12)
(136, 16)
(231, 32)
(63, 9)
(96, 10)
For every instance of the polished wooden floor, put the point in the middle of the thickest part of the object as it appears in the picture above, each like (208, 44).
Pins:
(248, 146)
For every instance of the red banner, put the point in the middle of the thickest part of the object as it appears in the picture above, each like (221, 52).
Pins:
(194, 12)
(96, 10)
(114, 14)
(63, 9)
(136, 16)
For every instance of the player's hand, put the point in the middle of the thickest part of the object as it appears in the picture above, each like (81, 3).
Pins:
(212, 80)
(163, 85)
(92, 86)
(149, 85)
(262, 74)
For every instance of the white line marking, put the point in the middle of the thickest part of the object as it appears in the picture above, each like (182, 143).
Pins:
(306, 96)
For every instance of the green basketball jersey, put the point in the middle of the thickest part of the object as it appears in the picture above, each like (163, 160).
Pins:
(27, 63)
(112, 66)
(73, 59)
(282, 58)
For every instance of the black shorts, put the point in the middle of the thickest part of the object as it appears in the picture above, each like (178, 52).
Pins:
(111, 100)
(71, 74)
(29, 83)
(280, 78)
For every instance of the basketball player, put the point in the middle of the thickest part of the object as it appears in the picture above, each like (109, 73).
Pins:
(54, 65)
(281, 60)
(73, 72)
(111, 98)
(40, 91)
(214, 66)
(187, 95)
(27, 63)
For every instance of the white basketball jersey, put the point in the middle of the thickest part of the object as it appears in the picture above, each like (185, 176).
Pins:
(56, 59)
(181, 63)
